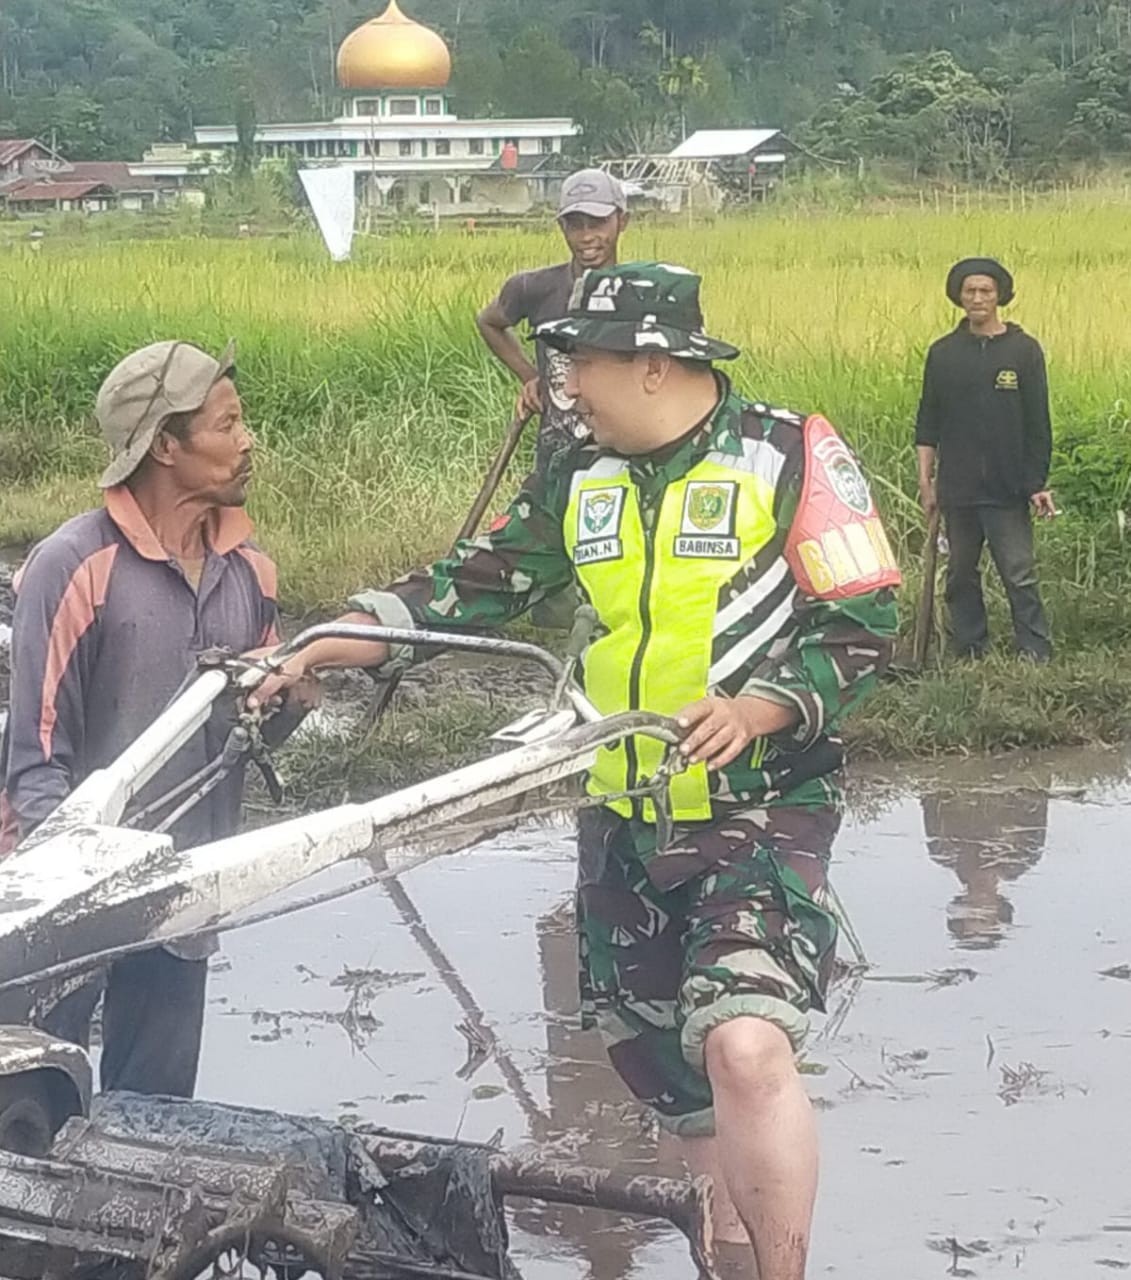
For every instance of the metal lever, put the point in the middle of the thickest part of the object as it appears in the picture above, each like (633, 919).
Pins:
(271, 779)
(660, 793)
(585, 621)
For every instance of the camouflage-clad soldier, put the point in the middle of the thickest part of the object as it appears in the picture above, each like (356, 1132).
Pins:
(743, 583)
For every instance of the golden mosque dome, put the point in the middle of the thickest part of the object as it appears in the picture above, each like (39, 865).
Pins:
(393, 52)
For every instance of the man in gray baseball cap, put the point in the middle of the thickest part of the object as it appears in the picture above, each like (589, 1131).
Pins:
(592, 213)
(592, 192)
(111, 613)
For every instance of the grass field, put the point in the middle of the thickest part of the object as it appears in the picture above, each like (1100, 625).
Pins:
(377, 409)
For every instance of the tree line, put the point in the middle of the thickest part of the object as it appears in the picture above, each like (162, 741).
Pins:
(955, 88)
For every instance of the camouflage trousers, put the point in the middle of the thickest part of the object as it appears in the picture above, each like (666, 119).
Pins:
(745, 931)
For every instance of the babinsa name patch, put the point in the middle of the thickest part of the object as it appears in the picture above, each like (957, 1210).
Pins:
(707, 526)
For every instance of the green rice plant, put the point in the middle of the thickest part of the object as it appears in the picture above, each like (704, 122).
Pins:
(377, 408)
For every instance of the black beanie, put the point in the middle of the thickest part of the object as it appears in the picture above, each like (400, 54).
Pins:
(979, 267)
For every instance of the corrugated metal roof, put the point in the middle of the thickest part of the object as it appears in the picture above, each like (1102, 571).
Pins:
(709, 144)
(49, 192)
(12, 148)
(114, 173)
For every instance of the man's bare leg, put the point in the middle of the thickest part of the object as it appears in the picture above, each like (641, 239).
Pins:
(734, 1255)
(767, 1141)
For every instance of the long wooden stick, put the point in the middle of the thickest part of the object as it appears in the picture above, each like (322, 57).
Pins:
(494, 476)
(401, 900)
(925, 622)
(470, 524)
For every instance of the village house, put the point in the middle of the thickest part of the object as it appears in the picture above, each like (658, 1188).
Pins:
(34, 178)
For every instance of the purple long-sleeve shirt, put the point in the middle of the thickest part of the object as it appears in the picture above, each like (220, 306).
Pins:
(106, 628)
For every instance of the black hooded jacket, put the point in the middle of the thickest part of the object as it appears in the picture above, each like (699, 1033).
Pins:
(985, 407)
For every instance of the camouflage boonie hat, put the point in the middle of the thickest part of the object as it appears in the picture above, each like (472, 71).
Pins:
(638, 307)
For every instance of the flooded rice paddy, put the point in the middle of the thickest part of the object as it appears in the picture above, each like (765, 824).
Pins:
(972, 1088)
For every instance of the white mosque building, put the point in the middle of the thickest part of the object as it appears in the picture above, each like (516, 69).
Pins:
(399, 136)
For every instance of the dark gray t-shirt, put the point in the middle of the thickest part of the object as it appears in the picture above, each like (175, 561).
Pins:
(534, 297)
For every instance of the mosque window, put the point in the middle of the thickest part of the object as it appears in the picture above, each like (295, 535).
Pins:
(406, 146)
(369, 106)
(425, 193)
(403, 107)
(433, 106)
(443, 147)
(475, 147)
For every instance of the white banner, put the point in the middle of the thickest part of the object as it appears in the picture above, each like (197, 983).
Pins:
(331, 196)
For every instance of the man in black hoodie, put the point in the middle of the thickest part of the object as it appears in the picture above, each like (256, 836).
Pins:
(984, 418)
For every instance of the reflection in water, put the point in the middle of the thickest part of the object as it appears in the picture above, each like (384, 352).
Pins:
(985, 837)
(919, 1146)
(593, 1119)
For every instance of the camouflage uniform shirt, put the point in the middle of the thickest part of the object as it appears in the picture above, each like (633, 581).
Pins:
(821, 659)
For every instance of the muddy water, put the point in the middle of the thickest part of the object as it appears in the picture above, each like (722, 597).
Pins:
(973, 1094)
(972, 1090)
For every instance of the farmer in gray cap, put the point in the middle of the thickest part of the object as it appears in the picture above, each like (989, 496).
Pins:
(592, 213)
(111, 612)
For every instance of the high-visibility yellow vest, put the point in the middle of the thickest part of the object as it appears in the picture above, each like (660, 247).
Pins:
(657, 595)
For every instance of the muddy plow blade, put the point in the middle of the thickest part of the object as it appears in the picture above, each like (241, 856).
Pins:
(155, 1189)
(85, 887)
(158, 1189)
(92, 893)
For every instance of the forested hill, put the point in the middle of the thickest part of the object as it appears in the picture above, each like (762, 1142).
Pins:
(969, 87)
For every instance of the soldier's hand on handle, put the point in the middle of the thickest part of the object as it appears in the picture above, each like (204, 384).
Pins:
(530, 398)
(1043, 505)
(326, 652)
(290, 680)
(720, 729)
(306, 693)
